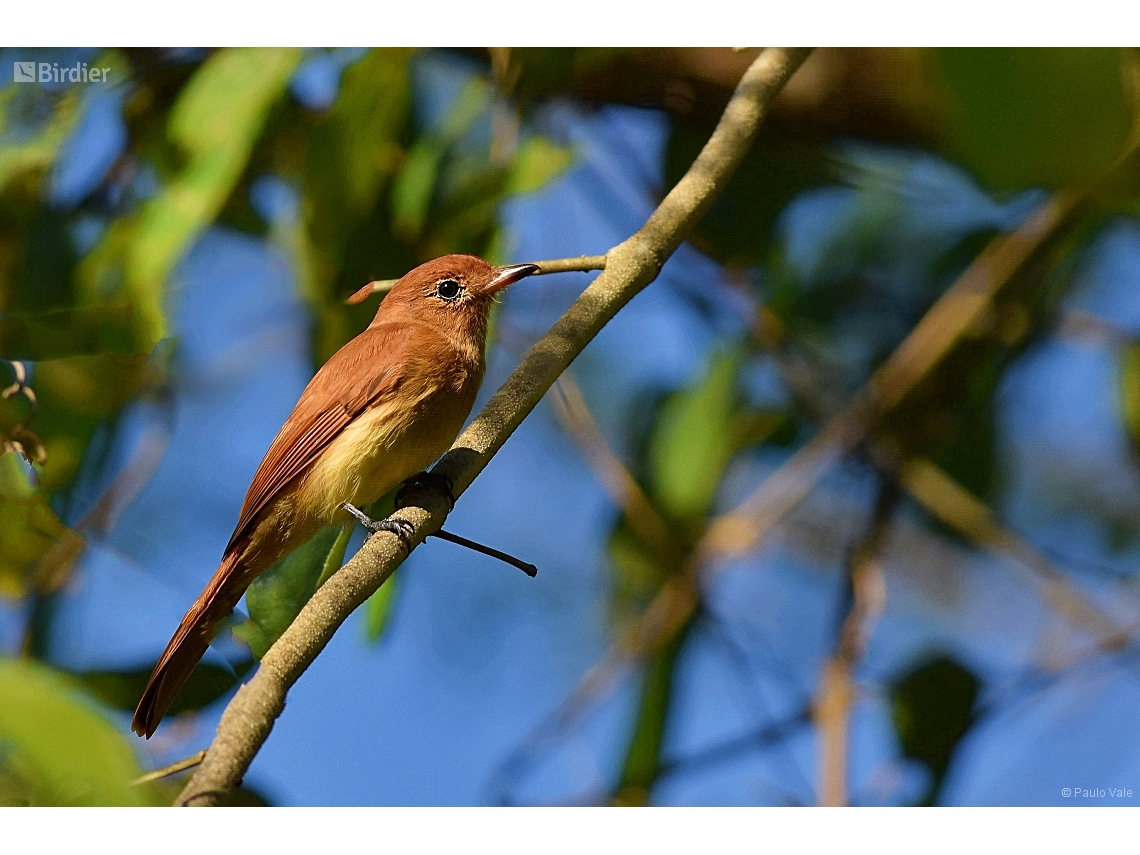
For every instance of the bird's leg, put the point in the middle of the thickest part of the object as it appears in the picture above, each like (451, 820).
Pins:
(401, 528)
(442, 484)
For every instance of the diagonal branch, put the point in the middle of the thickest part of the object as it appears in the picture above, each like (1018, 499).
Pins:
(618, 481)
(629, 267)
(960, 310)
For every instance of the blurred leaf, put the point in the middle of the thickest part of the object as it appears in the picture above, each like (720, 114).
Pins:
(29, 530)
(33, 125)
(639, 568)
(76, 394)
(18, 478)
(933, 709)
(1026, 117)
(1130, 391)
(414, 186)
(737, 228)
(538, 161)
(215, 123)
(55, 749)
(643, 757)
(378, 609)
(692, 441)
(66, 332)
(351, 156)
(277, 596)
(122, 689)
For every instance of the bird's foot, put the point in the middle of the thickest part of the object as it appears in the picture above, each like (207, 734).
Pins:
(442, 484)
(431, 480)
(401, 528)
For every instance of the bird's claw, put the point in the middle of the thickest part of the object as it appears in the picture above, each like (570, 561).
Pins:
(401, 528)
(432, 480)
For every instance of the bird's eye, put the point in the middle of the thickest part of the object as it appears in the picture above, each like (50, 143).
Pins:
(448, 289)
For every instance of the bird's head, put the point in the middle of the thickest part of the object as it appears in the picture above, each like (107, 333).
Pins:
(453, 291)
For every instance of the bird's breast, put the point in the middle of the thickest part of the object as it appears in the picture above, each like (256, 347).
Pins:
(384, 446)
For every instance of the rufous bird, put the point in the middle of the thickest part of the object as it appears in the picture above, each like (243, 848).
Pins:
(382, 408)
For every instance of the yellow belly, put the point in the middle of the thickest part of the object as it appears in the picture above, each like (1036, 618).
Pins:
(374, 454)
(379, 450)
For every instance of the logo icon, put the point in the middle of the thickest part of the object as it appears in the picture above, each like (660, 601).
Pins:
(23, 72)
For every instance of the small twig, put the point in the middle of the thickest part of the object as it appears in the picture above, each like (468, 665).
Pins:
(943, 497)
(737, 532)
(764, 737)
(173, 769)
(581, 264)
(950, 502)
(529, 569)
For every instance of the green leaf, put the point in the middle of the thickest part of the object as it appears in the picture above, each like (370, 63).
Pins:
(538, 161)
(738, 226)
(933, 706)
(639, 568)
(122, 689)
(1130, 391)
(55, 748)
(643, 756)
(277, 596)
(693, 440)
(413, 188)
(22, 152)
(1024, 117)
(29, 532)
(215, 123)
(352, 155)
(378, 609)
(66, 332)
(18, 478)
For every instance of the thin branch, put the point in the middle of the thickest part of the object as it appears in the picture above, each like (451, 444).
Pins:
(946, 499)
(173, 769)
(962, 308)
(630, 266)
(572, 411)
(953, 316)
(583, 263)
(954, 505)
(765, 737)
(865, 595)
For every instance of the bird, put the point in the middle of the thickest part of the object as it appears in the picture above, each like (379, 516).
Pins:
(379, 411)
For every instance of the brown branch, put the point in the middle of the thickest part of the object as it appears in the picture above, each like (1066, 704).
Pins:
(630, 266)
(572, 411)
(866, 598)
(582, 263)
(173, 769)
(950, 502)
(953, 316)
(945, 499)
(961, 309)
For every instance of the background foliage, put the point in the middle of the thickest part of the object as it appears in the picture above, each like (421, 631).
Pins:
(175, 252)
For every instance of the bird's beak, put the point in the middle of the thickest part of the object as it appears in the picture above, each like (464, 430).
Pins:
(509, 275)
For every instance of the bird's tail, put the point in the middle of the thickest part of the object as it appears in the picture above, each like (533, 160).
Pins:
(189, 643)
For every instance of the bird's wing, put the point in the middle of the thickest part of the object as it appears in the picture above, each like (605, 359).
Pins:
(354, 378)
